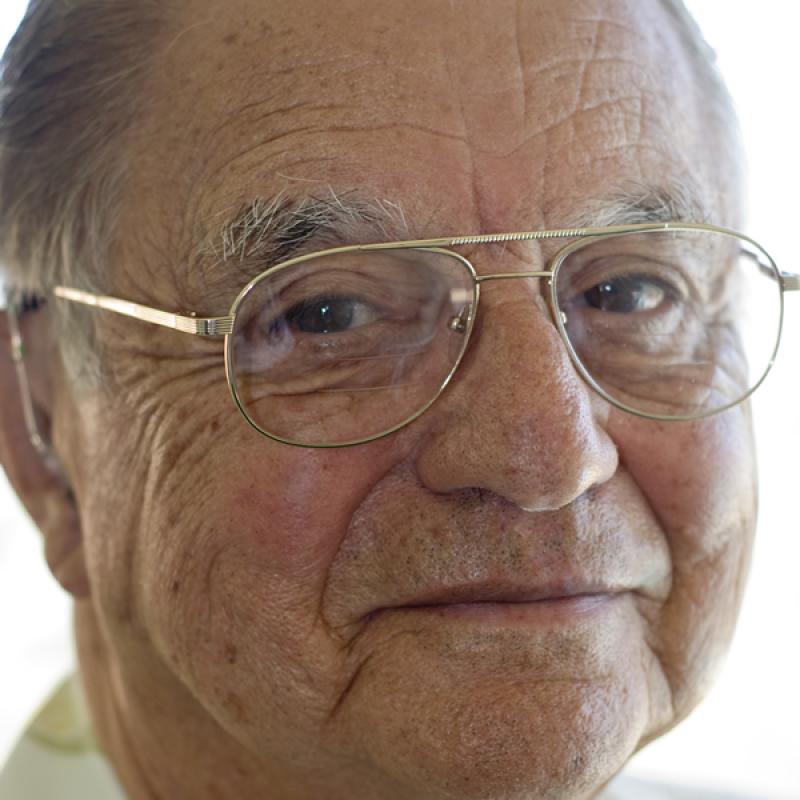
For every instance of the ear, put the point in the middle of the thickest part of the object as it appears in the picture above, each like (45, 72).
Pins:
(35, 473)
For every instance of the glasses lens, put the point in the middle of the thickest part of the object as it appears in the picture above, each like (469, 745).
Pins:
(343, 347)
(671, 323)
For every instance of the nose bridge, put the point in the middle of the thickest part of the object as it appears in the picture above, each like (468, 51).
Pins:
(514, 310)
(518, 347)
(485, 299)
(485, 260)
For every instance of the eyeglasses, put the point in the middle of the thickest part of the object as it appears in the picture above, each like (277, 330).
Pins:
(668, 321)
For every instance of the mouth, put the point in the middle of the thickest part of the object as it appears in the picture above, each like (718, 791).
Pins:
(492, 604)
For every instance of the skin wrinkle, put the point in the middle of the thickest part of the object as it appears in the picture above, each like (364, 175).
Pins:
(674, 677)
(323, 66)
(641, 148)
(523, 91)
(580, 102)
(623, 145)
(615, 105)
(239, 114)
(553, 128)
(145, 406)
(270, 141)
(155, 441)
(267, 116)
(342, 696)
(463, 135)
(639, 118)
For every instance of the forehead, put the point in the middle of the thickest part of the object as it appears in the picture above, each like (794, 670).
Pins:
(473, 116)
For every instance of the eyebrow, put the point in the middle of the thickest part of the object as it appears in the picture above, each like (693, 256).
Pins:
(271, 230)
(637, 203)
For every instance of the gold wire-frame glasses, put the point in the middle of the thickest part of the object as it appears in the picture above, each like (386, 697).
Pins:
(460, 323)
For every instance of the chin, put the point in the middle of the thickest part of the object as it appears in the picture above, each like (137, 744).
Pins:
(503, 738)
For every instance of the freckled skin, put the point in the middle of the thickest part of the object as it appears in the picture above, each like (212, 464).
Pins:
(233, 644)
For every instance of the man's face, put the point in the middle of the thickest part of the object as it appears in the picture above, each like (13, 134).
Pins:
(369, 620)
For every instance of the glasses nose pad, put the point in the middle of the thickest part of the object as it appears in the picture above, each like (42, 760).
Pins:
(459, 323)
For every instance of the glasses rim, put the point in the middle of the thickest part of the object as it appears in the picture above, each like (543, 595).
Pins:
(195, 324)
(551, 274)
(267, 274)
(564, 252)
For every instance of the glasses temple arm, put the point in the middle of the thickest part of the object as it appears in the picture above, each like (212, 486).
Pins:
(199, 326)
(791, 281)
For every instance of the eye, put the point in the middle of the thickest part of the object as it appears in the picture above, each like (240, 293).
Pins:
(329, 314)
(626, 295)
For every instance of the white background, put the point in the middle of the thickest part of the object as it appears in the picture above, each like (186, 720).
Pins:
(746, 736)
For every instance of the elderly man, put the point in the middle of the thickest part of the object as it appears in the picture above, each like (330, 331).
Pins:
(486, 532)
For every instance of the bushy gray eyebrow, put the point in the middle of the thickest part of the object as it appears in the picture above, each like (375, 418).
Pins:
(634, 203)
(271, 229)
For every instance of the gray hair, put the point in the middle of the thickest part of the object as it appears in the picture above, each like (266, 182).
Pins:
(68, 94)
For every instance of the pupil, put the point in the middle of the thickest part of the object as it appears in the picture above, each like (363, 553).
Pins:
(608, 292)
(328, 315)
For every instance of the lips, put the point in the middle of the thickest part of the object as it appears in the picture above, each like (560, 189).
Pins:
(497, 593)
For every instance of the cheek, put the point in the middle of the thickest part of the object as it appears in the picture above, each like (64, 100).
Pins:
(263, 532)
(700, 480)
(292, 510)
(232, 583)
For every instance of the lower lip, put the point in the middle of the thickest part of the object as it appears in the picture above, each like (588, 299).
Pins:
(554, 610)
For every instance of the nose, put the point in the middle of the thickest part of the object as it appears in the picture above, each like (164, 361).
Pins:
(517, 420)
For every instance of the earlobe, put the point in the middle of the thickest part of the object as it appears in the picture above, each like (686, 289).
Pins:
(32, 467)
(63, 537)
